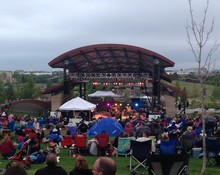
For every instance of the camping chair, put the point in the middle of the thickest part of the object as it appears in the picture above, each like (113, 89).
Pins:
(187, 143)
(140, 153)
(103, 144)
(213, 150)
(124, 145)
(168, 147)
(80, 143)
(175, 164)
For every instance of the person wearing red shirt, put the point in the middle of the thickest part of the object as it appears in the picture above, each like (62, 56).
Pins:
(7, 148)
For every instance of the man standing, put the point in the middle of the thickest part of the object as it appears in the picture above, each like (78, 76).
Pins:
(51, 167)
(104, 166)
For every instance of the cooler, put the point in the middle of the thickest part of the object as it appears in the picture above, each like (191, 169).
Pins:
(196, 152)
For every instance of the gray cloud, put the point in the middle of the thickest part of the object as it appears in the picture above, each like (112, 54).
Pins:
(35, 32)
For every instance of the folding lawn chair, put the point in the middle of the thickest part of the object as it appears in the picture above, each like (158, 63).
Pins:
(22, 156)
(124, 145)
(187, 143)
(140, 153)
(175, 164)
(213, 150)
(80, 143)
(103, 143)
(168, 147)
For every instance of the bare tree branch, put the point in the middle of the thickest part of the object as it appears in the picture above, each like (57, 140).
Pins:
(198, 36)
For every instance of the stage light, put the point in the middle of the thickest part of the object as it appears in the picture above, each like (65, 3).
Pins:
(136, 104)
(108, 104)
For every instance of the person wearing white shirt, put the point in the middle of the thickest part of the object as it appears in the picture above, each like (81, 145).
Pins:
(146, 137)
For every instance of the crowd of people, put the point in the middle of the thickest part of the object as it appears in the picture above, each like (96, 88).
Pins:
(27, 134)
(138, 126)
(102, 166)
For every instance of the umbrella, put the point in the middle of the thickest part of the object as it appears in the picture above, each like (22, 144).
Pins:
(108, 124)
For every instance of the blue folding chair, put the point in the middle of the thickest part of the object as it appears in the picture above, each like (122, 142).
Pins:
(168, 147)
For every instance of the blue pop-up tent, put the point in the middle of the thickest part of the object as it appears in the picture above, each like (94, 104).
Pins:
(106, 124)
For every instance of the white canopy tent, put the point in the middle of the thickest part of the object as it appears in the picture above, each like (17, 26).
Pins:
(104, 94)
(77, 104)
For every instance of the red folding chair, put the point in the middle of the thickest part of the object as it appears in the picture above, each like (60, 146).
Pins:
(80, 143)
(103, 143)
(28, 130)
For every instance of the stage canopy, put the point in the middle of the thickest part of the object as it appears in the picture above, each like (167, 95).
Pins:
(113, 60)
(104, 94)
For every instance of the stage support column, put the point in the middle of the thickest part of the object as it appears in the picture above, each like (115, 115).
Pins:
(66, 82)
(156, 86)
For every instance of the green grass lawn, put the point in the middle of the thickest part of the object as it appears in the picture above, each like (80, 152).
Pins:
(68, 162)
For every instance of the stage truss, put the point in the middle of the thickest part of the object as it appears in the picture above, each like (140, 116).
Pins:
(108, 77)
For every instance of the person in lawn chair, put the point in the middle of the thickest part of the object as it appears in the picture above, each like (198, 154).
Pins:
(55, 136)
(7, 149)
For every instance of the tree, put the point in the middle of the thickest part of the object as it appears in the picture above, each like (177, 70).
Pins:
(215, 96)
(28, 90)
(3, 94)
(198, 35)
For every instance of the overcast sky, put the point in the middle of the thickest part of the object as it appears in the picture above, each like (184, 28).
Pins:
(34, 32)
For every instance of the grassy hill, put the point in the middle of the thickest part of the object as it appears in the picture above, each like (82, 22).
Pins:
(193, 90)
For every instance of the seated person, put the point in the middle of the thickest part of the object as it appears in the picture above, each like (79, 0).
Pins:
(146, 137)
(67, 140)
(34, 144)
(21, 141)
(164, 137)
(38, 157)
(115, 142)
(55, 136)
(7, 148)
(53, 147)
(81, 167)
(103, 142)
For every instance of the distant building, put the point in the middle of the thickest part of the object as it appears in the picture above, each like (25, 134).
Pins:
(37, 73)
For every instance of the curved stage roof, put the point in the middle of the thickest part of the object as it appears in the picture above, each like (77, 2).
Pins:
(112, 58)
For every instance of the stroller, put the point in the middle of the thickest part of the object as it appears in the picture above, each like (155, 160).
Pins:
(22, 156)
